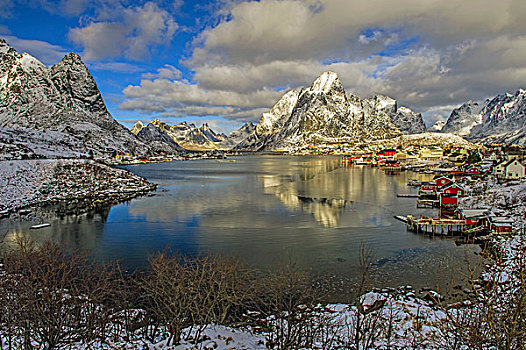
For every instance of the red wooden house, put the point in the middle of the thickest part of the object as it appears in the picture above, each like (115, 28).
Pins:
(448, 199)
(498, 224)
(474, 217)
(387, 153)
(454, 188)
(441, 181)
(473, 170)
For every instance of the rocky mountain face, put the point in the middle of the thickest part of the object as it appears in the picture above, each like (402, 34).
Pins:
(497, 120)
(324, 112)
(185, 136)
(463, 119)
(242, 133)
(437, 127)
(158, 140)
(63, 99)
(503, 120)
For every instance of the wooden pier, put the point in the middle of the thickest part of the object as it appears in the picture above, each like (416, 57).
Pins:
(427, 203)
(434, 226)
(408, 195)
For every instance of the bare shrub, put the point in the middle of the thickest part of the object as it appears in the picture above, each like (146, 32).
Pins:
(54, 297)
(494, 315)
(183, 292)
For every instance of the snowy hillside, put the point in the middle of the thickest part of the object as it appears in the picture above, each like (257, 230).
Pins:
(437, 127)
(426, 139)
(503, 120)
(463, 119)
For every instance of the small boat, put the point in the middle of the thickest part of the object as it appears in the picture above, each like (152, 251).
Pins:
(24, 211)
(401, 218)
(413, 182)
(39, 226)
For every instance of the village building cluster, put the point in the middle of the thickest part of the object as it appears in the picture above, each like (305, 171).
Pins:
(454, 172)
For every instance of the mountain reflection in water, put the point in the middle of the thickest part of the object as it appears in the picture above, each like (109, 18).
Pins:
(264, 210)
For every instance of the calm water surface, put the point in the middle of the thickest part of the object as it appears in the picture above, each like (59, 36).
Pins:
(266, 210)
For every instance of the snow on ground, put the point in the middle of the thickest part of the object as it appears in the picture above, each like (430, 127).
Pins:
(394, 321)
(509, 197)
(425, 139)
(35, 182)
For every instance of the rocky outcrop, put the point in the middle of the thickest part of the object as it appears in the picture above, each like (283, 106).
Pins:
(64, 99)
(503, 120)
(437, 127)
(185, 136)
(242, 133)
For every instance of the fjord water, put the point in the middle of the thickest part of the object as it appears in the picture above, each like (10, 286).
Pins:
(267, 210)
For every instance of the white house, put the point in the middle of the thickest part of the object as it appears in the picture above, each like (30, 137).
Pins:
(511, 169)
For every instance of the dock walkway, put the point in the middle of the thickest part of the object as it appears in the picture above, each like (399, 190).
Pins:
(434, 226)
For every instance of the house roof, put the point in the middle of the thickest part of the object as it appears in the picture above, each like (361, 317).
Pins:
(501, 220)
(442, 176)
(451, 184)
(475, 213)
(511, 161)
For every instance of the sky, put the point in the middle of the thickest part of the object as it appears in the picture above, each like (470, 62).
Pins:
(225, 62)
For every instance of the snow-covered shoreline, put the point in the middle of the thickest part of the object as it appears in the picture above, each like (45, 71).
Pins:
(78, 183)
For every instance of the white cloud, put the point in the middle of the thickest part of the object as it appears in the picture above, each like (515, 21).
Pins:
(4, 30)
(45, 52)
(5, 8)
(165, 72)
(131, 32)
(427, 54)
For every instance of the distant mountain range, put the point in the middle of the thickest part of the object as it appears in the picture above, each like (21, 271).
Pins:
(501, 119)
(324, 112)
(56, 111)
(185, 136)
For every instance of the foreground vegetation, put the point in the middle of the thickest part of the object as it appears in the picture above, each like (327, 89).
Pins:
(54, 299)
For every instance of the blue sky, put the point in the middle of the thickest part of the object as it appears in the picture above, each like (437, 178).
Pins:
(226, 61)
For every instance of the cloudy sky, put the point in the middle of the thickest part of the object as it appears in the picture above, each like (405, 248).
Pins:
(227, 61)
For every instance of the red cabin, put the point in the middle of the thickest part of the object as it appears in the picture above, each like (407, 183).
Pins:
(387, 153)
(499, 224)
(442, 181)
(448, 200)
(454, 188)
(474, 171)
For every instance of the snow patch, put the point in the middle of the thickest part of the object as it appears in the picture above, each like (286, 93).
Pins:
(324, 82)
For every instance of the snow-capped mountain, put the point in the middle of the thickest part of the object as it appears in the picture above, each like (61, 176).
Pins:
(503, 120)
(242, 133)
(158, 139)
(497, 120)
(63, 99)
(437, 127)
(324, 112)
(463, 119)
(188, 136)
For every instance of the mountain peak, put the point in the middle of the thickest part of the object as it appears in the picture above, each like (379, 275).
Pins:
(137, 127)
(326, 82)
(5, 48)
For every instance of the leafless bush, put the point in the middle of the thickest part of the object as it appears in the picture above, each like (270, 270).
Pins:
(53, 297)
(183, 292)
(494, 315)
